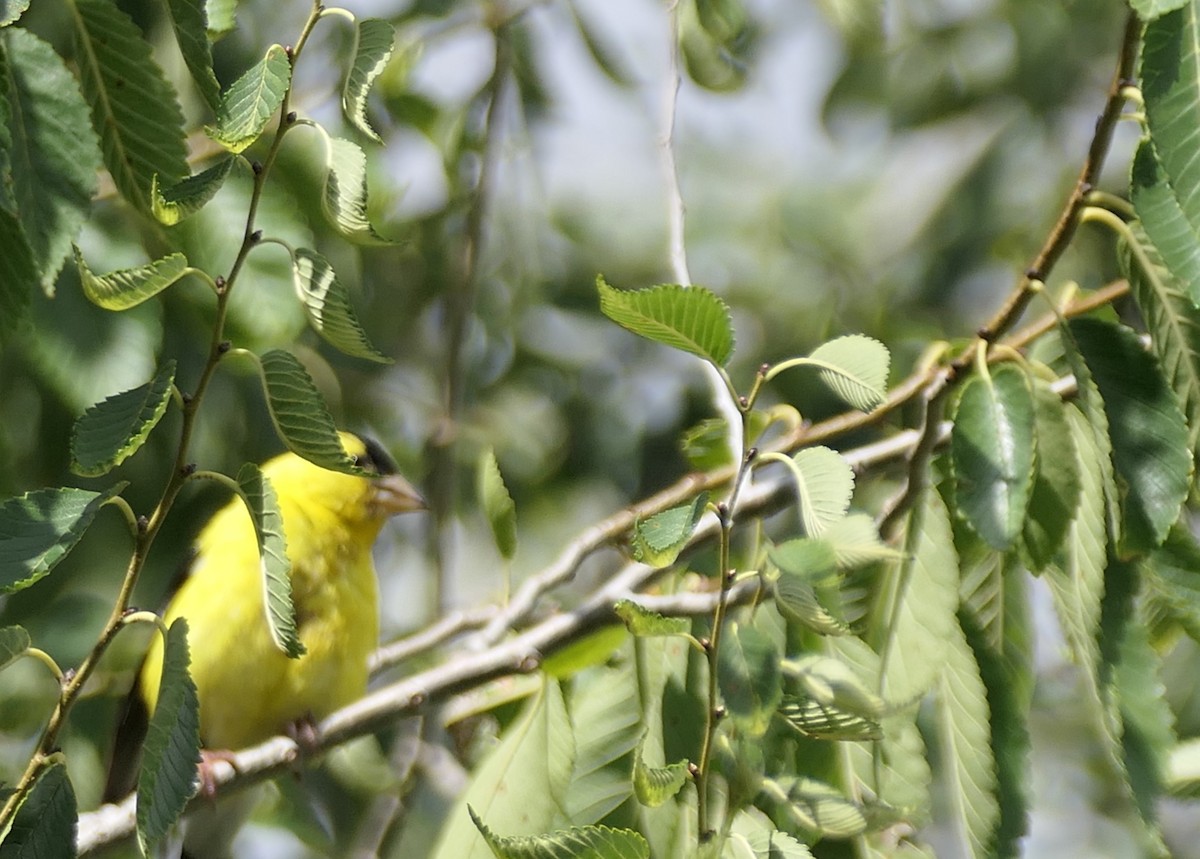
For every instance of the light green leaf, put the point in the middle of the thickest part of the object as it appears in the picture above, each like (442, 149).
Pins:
(14, 641)
(854, 367)
(263, 505)
(578, 842)
(174, 204)
(1173, 322)
(833, 682)
(129, 287)
(522, 784)
(606, 707)
(169, 772)
(1054, 496)
(55, 154)
(1148, 10)
(252, 99)
(655, 785)
(221, 16)
(327, 302)
(921, 604)
(1170, 586)
(111, 431)
(992, 453)
(821, 808)
(300, 415)
(1183, 769)
(11, 10)
(38, 529)
(133, 107)
(691, 318)
(373, 43)
(647, 624)
(191, 32)
(797, 600)
(749, 677)
(344, 199)
(660, 538)
(964, 737)
(1150, 442)
(824, 484)
(711, 62)
(45, 823)
(819, 720)
(809, 559)
(497, 504)
(855, 541)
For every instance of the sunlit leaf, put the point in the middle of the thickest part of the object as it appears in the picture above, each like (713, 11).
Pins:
(579, 842)
(129, 287)
(992, 447)
(822, 808)
(11, 10)
(809, 559)
(221, 16)
(111, 431)
(658, 539)
(373, 43)
(171, 755)
(655, 785)
(824, 484)
(854, 367)
(1151, 450)
(1148, 10)
(691, 319)
(251, 100)
(263, 505)
(855, 541)
(174, 204)
(300, 415)
(326, 300)
(645, 623)
(497, 504)
(38, 529)
(344, 199)
(133, 106)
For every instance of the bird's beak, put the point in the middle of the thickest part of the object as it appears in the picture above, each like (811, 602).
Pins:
(394, 495)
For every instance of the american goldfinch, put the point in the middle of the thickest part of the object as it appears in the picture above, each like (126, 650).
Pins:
(249, 690)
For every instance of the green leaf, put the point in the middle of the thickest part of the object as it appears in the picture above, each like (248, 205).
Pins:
(263, 505)
(797, 600)
(658, 539)
(1173, 322)
(855, 541)
(809, 559)
(819, 720)
(18, 273)
(824, 484)
(1170, 586)
(821, 808)
(655, 785)
(578, 842)
(964, 739)
(522, 784)
(14, 641)
(169, 772)
(174, 204)
(45, 823)
(922, 604)
(300, 415)
(710, 62)
(55, 156)
(1148, 10)
(344, 199)
(833, 682)
(647, 624)
(110, 432)
(1166, 223)
(599, 50)
(327, 302)
(129, 287)
(11, 10)
(191, 32)
(1151, 451)
(497, 504)
(133, 107)
(854, 367)
(749, 677)
(606, 709)
(991, 448)
(250, 102)
(221, 16)
(1054, 496)
(373, 43)
(689, 318)
(38, 529)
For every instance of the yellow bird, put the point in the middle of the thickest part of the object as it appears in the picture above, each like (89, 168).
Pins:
(248, 689)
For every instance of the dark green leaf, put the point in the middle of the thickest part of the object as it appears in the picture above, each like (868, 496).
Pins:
(327, 302)
(171, 756)
(1175, 235)
(373, 42)
(992, 447)
(45, 823)
(38, 529)
(110, 432)
(749, 677)
(18, 273)
(497, 504)
(191, 32)
(1055, 494)
(14, 641)
(251, 100)
(300, 415)
(133, 107)
(1151, 450)
(174, 204)
(263, 505)
(690, 318)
